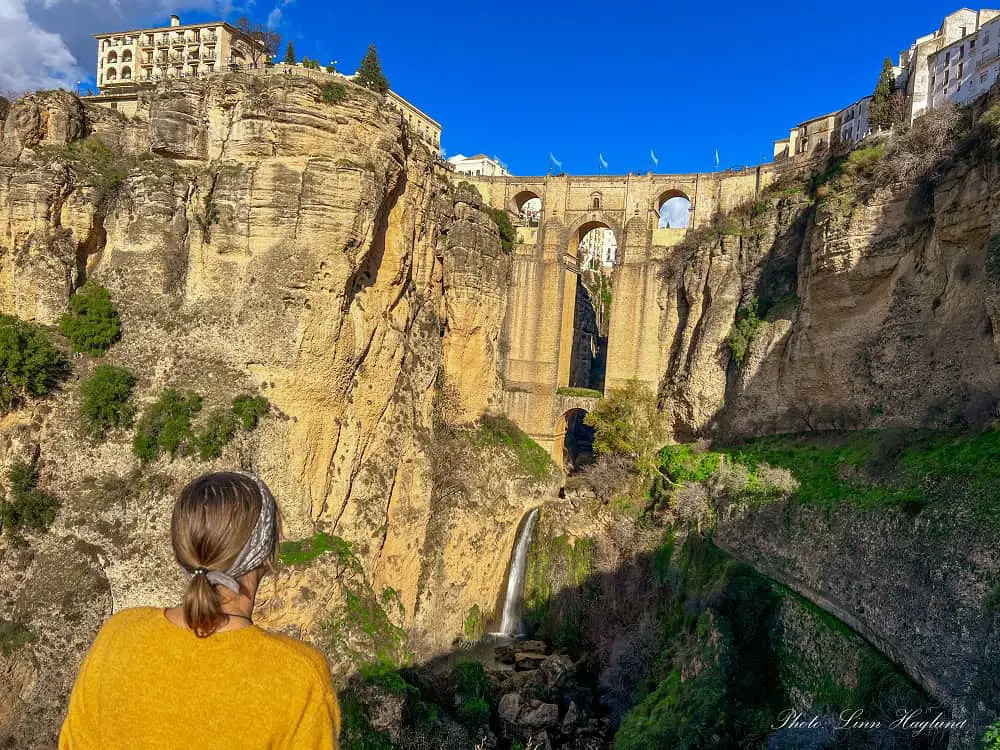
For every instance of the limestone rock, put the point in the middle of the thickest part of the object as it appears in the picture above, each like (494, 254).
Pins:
(536, 715)
(528, 660)
(509, 708)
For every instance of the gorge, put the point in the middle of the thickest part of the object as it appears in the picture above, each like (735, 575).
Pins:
(817, 528)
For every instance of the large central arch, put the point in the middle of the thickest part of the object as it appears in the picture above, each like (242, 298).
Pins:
(583, 336)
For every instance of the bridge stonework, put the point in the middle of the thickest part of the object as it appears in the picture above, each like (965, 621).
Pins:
(538, 325)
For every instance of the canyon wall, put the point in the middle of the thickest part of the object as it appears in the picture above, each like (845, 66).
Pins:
(256, 239)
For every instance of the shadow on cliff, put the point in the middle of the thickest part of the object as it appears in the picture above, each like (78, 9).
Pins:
(677, 644)
(907, 318)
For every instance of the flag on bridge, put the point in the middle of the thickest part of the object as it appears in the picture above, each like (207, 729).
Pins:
(555, 160)
(600, 158)
(656, 162)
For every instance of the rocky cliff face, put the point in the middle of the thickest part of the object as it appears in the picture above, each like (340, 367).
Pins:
(872, 281)
(255, 239)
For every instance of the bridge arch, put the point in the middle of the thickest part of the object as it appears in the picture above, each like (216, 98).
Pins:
(528, 205)
(577, 439)
(673, 209)
(585, 224)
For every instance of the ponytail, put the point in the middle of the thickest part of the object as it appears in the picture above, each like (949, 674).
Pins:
(213, 519)
(202, 606)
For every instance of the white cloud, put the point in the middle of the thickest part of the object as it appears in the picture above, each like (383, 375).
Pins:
(675, 213)
(274, 17)
(43, 42)
(31, 57)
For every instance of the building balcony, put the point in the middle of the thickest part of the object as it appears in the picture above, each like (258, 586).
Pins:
(207, 55)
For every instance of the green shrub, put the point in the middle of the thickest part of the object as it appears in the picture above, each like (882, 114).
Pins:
(474, 712)
(92, 323)
(26, 506)
(105, 400)
(215, 434)
(29, 364)
(334, 93)
(991, 740)
(249, 409)
(532, 460)
(13, 635)
(165, 426)
(743, 331)
(306, 550)
(103, 167)
(628, 423)
(508, 235)
(681, 463)
(866, 158)
(473, 625)
(580, 392)
(470, 680)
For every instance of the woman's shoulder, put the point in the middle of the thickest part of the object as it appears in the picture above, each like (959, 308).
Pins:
(298, 653)
(129, 618)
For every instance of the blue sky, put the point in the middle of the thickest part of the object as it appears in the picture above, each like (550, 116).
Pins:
(520, 80)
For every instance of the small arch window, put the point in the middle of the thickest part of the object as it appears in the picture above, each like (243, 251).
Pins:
(595, 202)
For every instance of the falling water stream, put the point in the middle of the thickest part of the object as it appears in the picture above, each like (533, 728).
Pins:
(510, 625)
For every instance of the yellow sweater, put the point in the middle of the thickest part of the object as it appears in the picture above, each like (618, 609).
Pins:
(147, 684)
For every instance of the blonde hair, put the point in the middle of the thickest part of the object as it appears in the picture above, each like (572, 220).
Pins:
(213, 518)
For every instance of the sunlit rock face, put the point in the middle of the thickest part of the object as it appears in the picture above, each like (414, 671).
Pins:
(255, 240)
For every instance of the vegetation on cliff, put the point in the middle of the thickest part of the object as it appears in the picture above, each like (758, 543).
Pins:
(106, 400)
(30, 365)
(370, 73)
(26, 506)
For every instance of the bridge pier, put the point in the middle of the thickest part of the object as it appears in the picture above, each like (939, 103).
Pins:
(538, 325)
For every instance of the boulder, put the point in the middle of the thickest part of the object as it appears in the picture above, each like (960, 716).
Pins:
(528, 660)
(554, 670)
(537, 715)
(572, 719)
(534, 646)
(510, 707)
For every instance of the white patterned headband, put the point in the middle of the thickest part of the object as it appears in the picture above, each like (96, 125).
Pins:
(258, 546)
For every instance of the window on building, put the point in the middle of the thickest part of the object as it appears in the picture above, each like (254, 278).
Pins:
(961, 52)
(933, 79)
(947, 57)
(964, 31)
(961, 68)
(982, 78)
(972, 44)
(947, 77)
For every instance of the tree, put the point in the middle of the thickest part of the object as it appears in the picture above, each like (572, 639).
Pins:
(885, 111)
(92, 323)
(105, 400)
(628, 423)
(370, 72)
(290, 53)
(267, 40)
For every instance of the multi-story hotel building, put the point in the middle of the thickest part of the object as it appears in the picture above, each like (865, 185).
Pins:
(127, 58)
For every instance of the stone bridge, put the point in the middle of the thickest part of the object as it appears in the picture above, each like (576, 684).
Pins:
(539, 326)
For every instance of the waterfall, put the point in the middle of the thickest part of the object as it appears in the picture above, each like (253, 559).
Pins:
(511, 622)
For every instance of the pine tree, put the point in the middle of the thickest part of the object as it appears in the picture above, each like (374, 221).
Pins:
(370, 72)
(290, 53)
(883, 114)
